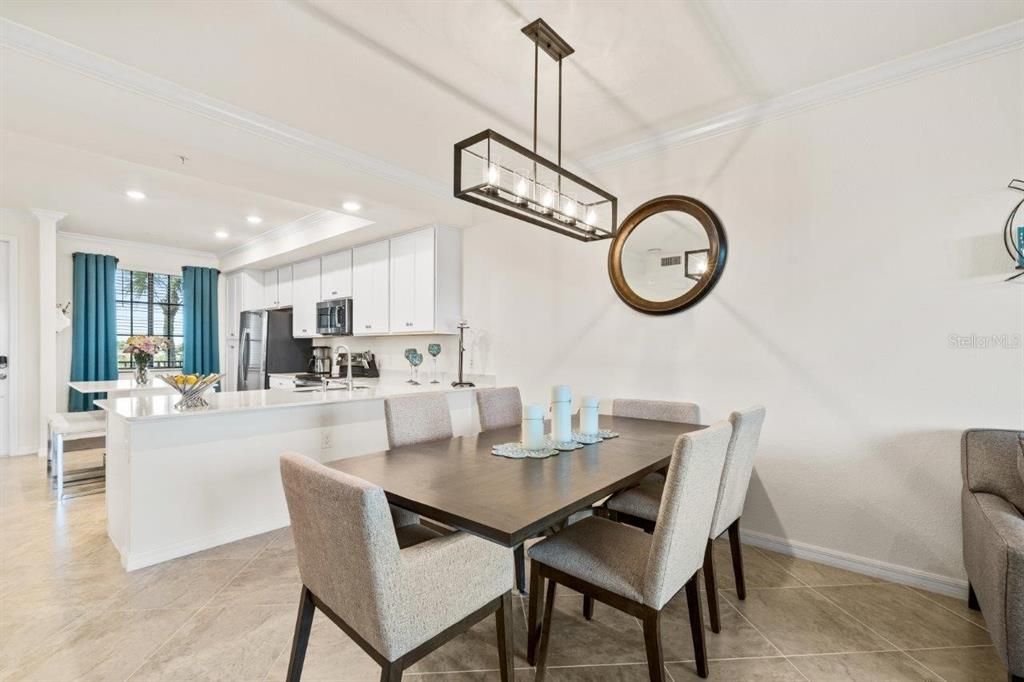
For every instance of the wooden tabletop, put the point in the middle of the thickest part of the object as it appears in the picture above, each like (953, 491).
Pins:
(460, 483)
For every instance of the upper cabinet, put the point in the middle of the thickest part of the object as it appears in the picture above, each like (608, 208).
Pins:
(336, 276)
(305, 289)
(277, 287)
(426, 281)
(370, 289)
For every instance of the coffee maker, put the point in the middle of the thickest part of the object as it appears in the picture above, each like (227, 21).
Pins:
(320, 363)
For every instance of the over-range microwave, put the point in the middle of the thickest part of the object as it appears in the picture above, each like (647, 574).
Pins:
(334, 318)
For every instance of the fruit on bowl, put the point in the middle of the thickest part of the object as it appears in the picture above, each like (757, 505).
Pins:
(191, 387)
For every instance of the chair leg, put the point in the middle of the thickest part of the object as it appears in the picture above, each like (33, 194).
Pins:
(711, 585)
(503, 618)
(1014, 678)
(391, 672)
(737, 559)
(519, 554)
(300, 639)
(536, 601)
(545, 632)
(700, 652)
(588, 607)
(972, 598)
(652, 641)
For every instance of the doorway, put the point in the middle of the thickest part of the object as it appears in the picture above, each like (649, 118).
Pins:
(7, 323)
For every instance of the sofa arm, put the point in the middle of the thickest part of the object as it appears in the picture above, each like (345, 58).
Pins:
(994, 558)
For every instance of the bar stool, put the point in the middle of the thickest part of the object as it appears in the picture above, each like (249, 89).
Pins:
(75, 426)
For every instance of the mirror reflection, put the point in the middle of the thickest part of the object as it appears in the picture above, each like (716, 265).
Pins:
(665, 256)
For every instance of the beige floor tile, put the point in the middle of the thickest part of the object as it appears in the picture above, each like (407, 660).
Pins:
(246, 548)
(888, 666)
(739, 670)
(107, 645)
(611, 637)
(181, 583)
(758, 569)
(816, 574)
(957, 606)
(738, 638)
(330, 656)
(76, 584)
(800, 621)
(974, 664)
(237, 643)
(905, 618)
(612, 673)
(477, 649)
(475, 676)
(23, 630)
(270, 578)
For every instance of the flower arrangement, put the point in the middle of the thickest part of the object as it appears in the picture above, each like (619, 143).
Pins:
(142, 350)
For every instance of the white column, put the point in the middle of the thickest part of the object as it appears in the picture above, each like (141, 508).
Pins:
(47, 319)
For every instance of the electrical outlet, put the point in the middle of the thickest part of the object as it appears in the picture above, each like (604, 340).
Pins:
(325, 440)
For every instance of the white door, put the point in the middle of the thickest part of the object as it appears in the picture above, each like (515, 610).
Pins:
(5, 350)
(305, 294)
(232, 296)
(370, 288)
(336, 276)
(284, 286)
(423, 281)
(403, 276)
(270, 289)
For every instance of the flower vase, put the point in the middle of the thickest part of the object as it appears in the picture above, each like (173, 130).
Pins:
(141, 370)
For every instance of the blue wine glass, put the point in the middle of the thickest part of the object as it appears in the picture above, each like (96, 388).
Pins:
(434, 349)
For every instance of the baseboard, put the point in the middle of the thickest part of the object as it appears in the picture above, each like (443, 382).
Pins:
(132, 561)
(913, 577)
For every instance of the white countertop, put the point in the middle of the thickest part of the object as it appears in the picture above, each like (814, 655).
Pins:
(146, 407)
(121, 385)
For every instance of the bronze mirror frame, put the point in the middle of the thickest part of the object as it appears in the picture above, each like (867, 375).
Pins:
(716, 257)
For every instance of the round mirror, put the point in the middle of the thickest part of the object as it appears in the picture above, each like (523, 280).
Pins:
(667, 255)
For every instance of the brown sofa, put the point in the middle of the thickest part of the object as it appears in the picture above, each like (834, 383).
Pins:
(993, 500)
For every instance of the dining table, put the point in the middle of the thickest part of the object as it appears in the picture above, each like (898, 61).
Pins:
(459, 483)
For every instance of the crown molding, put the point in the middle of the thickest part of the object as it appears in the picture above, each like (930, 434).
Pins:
(110, 241)
(47, 48)
(978, 46)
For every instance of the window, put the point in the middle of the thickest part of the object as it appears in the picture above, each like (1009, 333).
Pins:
(149, 304)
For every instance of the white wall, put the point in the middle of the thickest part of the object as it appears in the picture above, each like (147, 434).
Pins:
(862, 235)
(24, 364)
(131, 256)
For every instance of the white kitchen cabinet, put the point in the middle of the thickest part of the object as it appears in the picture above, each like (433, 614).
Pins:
(305, 295)
(370, 284)
(243, 290)
(229, 366)
(336, 275)
(277, 287)
(426, 281)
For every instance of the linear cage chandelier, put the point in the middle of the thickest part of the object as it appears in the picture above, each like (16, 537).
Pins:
(494, 172)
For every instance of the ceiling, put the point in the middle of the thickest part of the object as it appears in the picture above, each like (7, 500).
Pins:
(301, 105)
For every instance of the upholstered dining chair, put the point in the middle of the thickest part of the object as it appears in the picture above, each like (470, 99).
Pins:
(397, 604)
(640, 505)
(659, 410)
(499, 408)
(633, 571)
(412, 419)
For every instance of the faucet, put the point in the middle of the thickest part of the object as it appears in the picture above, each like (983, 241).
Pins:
(348, 364)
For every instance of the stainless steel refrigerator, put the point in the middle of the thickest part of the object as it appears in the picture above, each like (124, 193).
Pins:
(266, 347)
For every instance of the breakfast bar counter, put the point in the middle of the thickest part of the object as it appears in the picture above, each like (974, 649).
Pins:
(180, 481)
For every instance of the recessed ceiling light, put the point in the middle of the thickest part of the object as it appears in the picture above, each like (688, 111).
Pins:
(221, 234)
(135, 194)
(254, 220)
(351, 206)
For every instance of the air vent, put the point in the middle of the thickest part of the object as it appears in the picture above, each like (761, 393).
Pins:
(669, 261)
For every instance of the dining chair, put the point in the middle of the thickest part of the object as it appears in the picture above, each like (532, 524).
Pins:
(396, 604)
(639, 505)
(633, 571)
(660, 410)
(412, 419)
(499, 408)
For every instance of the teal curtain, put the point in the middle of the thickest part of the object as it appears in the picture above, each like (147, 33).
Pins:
(93, 326)
(202, 352)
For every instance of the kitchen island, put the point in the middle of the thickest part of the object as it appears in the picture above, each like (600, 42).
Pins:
(182, 481)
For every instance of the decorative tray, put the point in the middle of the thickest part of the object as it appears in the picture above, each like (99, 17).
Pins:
(517, 451)
(564, 447)
(586, 439)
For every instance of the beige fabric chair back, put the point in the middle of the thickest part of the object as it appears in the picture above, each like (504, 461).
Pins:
(687, 509)
(499, 407)
(417, 418)
(658, 410)
(739, 464)
(346, 546)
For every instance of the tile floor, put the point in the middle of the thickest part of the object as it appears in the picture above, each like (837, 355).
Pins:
(69, 612)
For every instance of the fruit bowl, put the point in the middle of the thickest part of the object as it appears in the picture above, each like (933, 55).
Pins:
(191, 387)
